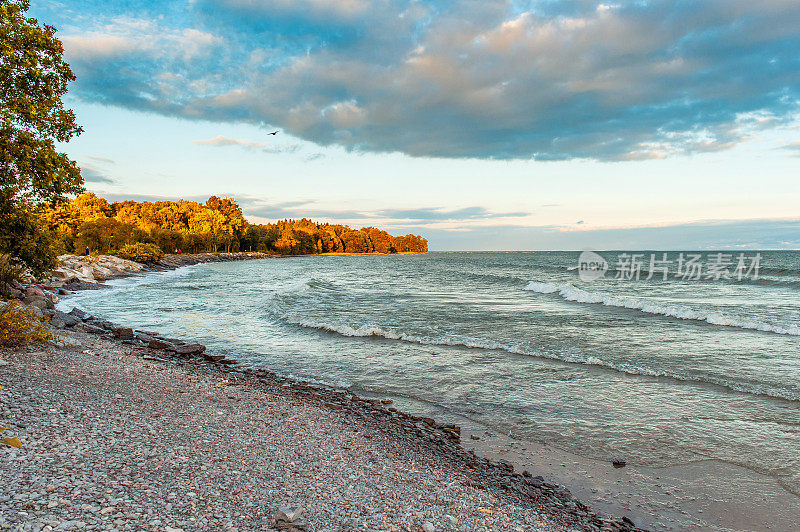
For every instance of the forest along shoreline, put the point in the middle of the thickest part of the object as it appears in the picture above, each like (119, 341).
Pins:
(79, 332)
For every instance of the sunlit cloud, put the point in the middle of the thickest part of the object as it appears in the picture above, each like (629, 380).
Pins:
(220, 141)
(491, 80)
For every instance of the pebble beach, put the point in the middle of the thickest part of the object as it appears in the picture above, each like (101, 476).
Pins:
(118, 436)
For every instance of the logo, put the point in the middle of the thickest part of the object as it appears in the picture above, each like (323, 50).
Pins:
(591, 266)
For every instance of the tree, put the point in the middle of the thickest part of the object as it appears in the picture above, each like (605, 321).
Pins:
(33, 79)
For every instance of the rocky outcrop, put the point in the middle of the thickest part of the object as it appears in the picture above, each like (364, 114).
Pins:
(90, 269)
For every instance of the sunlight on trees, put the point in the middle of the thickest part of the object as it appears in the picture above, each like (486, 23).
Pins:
(219, 225)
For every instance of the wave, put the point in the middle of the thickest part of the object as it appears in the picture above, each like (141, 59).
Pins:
(83, 298)
(660, 308)
(374, 331)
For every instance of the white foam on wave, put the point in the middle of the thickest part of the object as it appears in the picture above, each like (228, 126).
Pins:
(83, 299)
(660, 308)
(365, 331)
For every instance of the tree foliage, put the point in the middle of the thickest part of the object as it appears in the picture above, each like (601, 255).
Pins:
(217, 225)
(20, 326)
(141, 252)
(33, 79)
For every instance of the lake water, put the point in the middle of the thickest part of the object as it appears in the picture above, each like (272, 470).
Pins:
(660, 372)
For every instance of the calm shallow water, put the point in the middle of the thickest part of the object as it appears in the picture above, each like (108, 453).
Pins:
(660, 372)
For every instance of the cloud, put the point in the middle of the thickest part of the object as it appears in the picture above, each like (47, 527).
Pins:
(330, 10)
(266, 147)
(91, 175)
(488, 79)
(104, 160)
(124, 36)
(793, 147)
(439, 214)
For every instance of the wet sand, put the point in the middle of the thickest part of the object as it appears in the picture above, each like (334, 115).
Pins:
(705, 495)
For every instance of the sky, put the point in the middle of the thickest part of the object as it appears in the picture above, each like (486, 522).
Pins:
(479, 124)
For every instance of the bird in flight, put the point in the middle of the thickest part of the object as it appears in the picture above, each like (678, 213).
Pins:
(273, 133)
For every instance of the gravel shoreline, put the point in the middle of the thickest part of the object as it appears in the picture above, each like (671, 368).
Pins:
(120, 436)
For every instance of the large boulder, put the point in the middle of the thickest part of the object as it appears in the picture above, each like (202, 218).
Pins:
(39, 302)
(189, 349)
(123, 333)
(155, 343)
(33, 291)
(92, 269)
(86, 273)
(78, 313)
(52, 297)
(67, 319)
(85, 327)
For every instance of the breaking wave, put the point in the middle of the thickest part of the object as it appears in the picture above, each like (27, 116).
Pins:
(374, 331)
(659, 308)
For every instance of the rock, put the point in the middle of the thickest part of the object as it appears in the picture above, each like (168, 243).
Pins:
(39, 302)
(68, 319)
(474, 437)
(85, 274)
(505, 464)
(62, 275)
(57, 323)
(534, 481)
(427, 526)
(618, 463)
(189, 349)
(386, 401)
(123, 333)
(174, 341)
(142, 337)
(33, 291)
(78, 313)
(155, 343)
(287, 518)
(103, 324)
(287, 513)
(86, 327)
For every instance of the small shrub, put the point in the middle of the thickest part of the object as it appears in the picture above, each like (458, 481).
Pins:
(141, 252)
(20, 326)
(10, 271)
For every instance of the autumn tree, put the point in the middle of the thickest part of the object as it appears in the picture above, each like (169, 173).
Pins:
(33, 80)
(216, 225)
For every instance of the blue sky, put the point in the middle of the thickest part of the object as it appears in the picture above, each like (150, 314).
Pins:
(481, 124)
